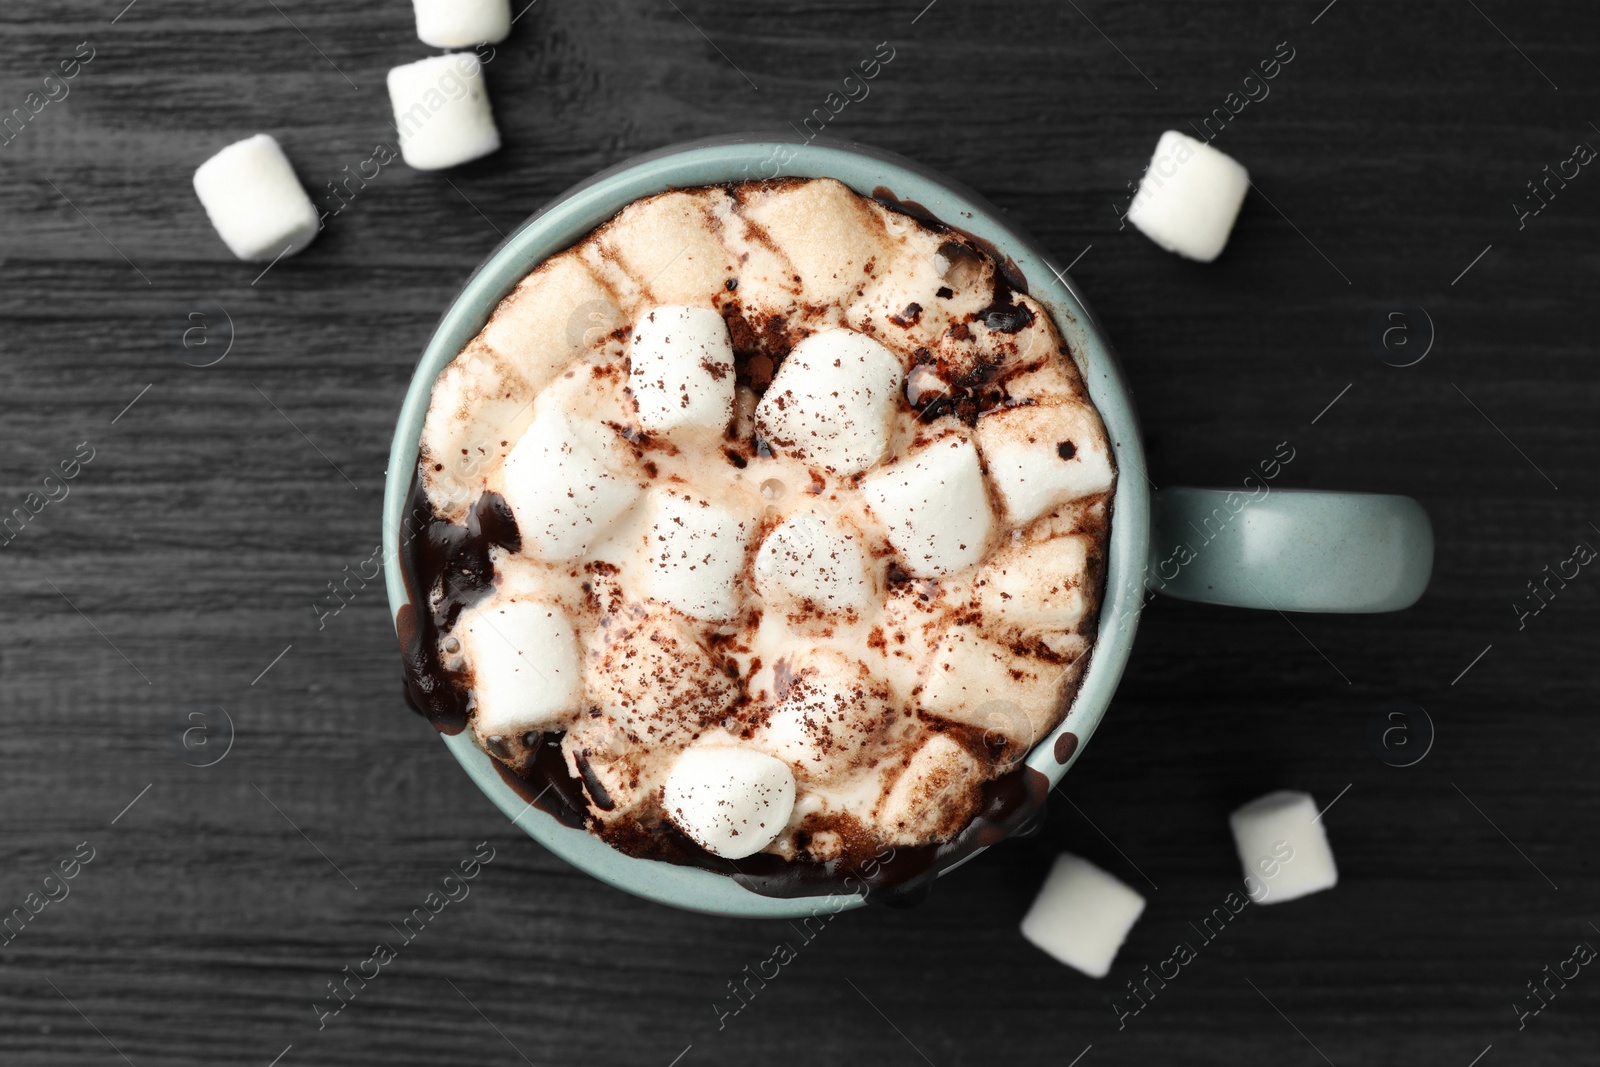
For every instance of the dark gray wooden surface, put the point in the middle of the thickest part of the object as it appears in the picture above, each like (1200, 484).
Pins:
(191, 550)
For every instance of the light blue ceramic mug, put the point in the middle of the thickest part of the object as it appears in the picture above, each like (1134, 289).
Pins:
(1254, 546)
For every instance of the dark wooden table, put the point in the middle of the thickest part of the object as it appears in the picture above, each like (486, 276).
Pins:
(176, 587)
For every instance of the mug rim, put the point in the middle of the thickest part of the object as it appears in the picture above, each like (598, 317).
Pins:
(568, 218)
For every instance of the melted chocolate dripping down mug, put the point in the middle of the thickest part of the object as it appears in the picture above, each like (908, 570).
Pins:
(1289, 550)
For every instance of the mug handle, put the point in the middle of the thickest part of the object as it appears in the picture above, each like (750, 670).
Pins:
(1291, 550)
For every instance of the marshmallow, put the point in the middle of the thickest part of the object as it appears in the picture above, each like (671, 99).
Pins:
(811, 561)
(1042, 455)
(1011, 696)
(934, 796)
(1069, 645)
(681, 369)
(830, 237)
(1283, 847)
(1082, 915)
(695, 548)
(526, 675)
(566, 480)
(457, 447)
(441, 110)
(1189, 197)
(668, 245)
(934, 506)
(1036, 586)
(913, 303)
(615, 773)
(649, 671)
(1050, 383)
(731, 801)
(828, 708)
(554, 315)
(462, 23)
(830, 403)
(254, 200)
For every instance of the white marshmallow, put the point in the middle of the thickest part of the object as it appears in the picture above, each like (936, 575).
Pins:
(649, 672)
(1042, 455)
(830, 402)
(1036, 586)
(1283, 847)
(934, 506)
(462, 23)
(809, 560)
(1189, 197)
(681, 369)
(695, 549)
(526, 674)
(830, 240)
(987, 685)
(1082, 915)
(617, 775)
(254, 200)
(730, 800)
(828, 708)
(566, 481)
(441, 110)
(934, 796)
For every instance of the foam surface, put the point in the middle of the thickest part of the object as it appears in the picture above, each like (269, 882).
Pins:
(846, 543)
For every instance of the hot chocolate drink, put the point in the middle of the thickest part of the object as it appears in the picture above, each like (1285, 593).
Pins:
(763, 529)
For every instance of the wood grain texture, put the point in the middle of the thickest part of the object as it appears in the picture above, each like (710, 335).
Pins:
(216, 508)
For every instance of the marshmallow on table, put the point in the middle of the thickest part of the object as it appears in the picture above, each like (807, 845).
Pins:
(695, 548)
(462, 23)
(808, 559)
(441, 110)
(1042, 455)
(254, 200)
(731, 801)
(1189, 197)
(526, 674)
(830, 402)
(681, 369)
(934, 505)
(1283, 847)
(1082, 915)
(565, 481)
